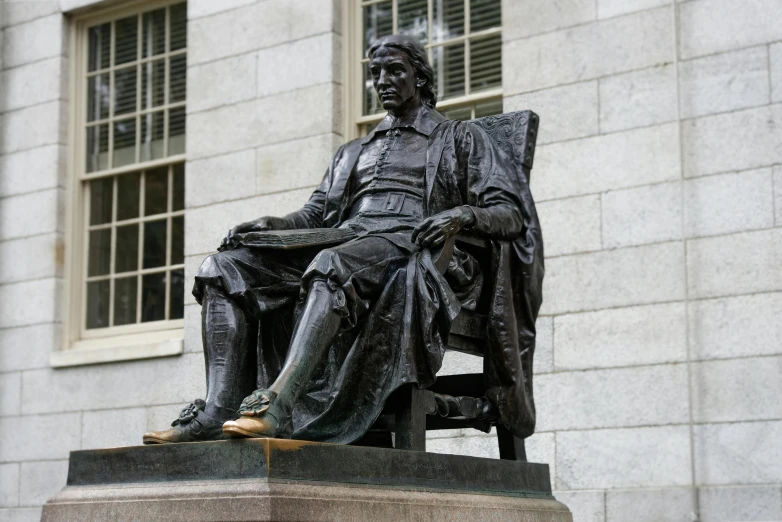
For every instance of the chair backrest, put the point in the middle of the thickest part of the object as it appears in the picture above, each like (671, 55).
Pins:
(515, 133)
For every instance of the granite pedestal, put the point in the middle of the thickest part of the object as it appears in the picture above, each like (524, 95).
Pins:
(282, 480)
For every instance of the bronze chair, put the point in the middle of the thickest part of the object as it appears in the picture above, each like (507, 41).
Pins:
(454, 401)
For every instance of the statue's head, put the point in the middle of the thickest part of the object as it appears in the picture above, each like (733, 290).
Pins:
(401, 73)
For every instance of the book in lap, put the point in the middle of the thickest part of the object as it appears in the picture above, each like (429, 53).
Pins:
(290, 239)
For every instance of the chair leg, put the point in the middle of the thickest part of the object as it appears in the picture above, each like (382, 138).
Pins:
(410, 422)
(511, 447)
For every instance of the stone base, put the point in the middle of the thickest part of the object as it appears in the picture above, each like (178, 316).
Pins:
(276, 480)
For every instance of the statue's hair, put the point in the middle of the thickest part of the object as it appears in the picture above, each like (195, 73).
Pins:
(418, 59)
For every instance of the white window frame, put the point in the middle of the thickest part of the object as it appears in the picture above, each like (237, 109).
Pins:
(353, 54)
(115, 343)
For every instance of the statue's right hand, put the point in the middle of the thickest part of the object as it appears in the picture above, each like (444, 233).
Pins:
(256, 225)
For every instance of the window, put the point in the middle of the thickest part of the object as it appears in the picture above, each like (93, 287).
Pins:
(464, 41)
(126, 230)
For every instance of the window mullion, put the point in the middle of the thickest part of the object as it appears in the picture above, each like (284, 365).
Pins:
(139, 40)
(112, 38)
(113, 247)
(394, 16)
(430, 27)
(140, 254)
(169, 208)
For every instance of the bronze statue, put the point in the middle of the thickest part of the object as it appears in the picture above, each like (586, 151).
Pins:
(357, 295)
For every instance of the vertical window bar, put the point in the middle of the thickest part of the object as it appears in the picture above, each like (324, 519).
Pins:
(140, 259)
(148, 88)
(113, 248)
(139, 41)
(112, 38)
(430, 23)
(394, 16)
(166, 81)
(467, 90)
(169, 208)
(87, 193)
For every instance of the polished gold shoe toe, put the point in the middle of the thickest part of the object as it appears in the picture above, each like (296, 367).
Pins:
(251, 427)
(168, 436)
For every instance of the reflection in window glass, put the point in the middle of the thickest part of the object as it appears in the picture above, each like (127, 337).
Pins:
(153, 297)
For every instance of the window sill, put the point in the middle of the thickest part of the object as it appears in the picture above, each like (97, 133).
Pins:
(121, 348)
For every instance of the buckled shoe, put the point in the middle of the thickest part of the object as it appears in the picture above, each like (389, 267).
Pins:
(192, 425)
(261, 416)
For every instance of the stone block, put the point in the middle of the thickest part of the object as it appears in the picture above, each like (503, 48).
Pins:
(9, 485)
(589, 51)
(112, 386)
(50, 127)
(296, 114)
(610, 8)
(222, 82)
(205, 227)
(736, 326)
(776, 72)
(623, 277)
(484, 446)
(27, 347)
(31, 214)
(638, 99)
(455, 363)
(32, 170)
(113, 428)
(32, 257)
(642, 215)
(294, 66)
(21, 515)
(650, 505)
(572, 225)
(754, 135)
(39, 437)
(740, 503)
(30, 302)
(545, 17)
(737, 389)
(256, 26)
(18, 12)
(34, 83)
(619, 458)
(612, 398)
(192, 340)
(637, 335)
(10, 393)
(40, 481)
(544, 346)
(609, 162)
(723, 25)
(199, 8)
(161, 417)
(739, 453)
(778, 195)
(567, 112)
(737, 264)
(220, 178)
(282, 166)
(541, 447)
(586, 506)
(728, 203)
(724, 82)
(35, 40)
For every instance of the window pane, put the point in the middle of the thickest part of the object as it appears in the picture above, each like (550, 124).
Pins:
(125, 300)
(176, 131)
(98, 304)
(152, 126)
(153, 297)
(378, 22)
(125, 89)
(100, 201)
(413, 19)
(178, 26)
(126, 40)
(154, 23)
(179, 187)
(484, 14)
(99, 260)
(97, 147)
(100, 39)
(459, 113)
(447, 19)
(489, 108)
(177, 305)
(178, 240)
(156, 191)
(177, 76)
(126, 258)
(98, 97)
(153, 84)
(124, 142)
(128, 190)
(154, 243)
(486, 63)
(449, 70)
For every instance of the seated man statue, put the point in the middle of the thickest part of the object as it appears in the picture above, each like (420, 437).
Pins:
(309, 342)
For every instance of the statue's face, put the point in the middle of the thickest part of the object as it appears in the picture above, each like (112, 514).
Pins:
(394, 79)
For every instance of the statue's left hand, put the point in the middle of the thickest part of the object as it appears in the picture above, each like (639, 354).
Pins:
(435, 230)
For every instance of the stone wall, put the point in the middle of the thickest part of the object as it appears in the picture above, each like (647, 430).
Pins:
(658, 178)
